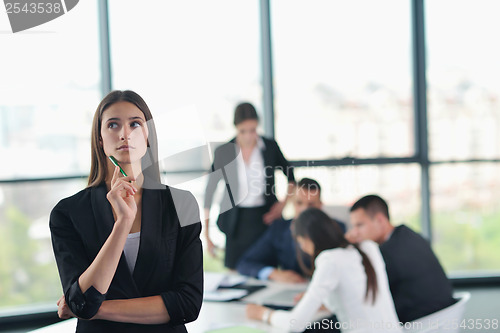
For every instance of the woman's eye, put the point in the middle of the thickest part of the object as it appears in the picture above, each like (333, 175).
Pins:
(135, 124)
(112, 125)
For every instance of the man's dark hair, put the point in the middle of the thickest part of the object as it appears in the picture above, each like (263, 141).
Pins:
(372, 204)
(309, 184)
(244, 111)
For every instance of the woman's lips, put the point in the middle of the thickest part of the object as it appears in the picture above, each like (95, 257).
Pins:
(125, 148)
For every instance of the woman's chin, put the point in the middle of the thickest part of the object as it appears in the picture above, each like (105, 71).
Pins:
(129, 157)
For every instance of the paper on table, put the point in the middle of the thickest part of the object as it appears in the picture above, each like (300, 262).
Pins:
(224, 294)
(233, 280)
(212, 281)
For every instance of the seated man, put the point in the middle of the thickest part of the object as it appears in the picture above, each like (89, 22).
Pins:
(418, 283)
(274, 256)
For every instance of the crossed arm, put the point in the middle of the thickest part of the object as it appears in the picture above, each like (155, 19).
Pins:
(144, 310)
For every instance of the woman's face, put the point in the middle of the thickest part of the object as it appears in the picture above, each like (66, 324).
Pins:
(247, 132)
(124, 132)
(306, 245)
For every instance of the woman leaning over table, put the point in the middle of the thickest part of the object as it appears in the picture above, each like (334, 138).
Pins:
(348, 279)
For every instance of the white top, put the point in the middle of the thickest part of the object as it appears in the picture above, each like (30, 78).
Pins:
(251, 177)
(339, 282)
(131, 249)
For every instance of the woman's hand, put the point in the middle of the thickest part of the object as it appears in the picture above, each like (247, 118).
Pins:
(210, 246)
(299, 296)
(274, 213)
(121, 197)
(286, 276)
(63, 310)
(255, 311)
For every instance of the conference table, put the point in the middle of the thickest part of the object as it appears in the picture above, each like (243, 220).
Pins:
(220, 315)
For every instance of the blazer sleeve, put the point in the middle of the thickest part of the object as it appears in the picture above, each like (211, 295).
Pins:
(72, 261)
(283, 163)
(183, 301)
(261, 254)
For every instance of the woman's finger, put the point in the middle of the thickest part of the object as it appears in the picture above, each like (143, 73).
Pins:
(122, 185)
(124, 180)
(127, 180)
(123, 188)
(116, 173)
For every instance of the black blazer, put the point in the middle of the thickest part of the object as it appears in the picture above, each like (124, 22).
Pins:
(418, 283)
(169, 262)
(224, 167)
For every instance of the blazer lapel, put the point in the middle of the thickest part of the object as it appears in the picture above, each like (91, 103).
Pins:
(103, 215)
(151, 221)
(104, 221)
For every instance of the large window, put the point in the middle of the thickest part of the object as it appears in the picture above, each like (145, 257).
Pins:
(463, 75)
(343, 78)
(27, 266)
(463, 79)
(49, 89)
(193, 62)
(465, 217)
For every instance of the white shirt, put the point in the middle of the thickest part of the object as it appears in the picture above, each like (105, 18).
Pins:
(251, 177)
(339, 282)
(131, 249)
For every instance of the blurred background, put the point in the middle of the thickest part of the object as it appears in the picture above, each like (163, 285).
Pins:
(365, 96)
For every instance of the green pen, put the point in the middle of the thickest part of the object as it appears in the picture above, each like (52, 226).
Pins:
(115, 162)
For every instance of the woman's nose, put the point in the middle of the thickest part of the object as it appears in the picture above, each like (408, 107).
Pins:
(125, 133)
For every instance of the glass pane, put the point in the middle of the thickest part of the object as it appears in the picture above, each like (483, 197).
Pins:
(49, 90)
(192, 61)
(28, 270)
(343, 78)
(465, 215)
(463, 79)
(399, 185)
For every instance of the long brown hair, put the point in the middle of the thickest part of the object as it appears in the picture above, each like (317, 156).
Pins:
(99, 161)
(325, 234)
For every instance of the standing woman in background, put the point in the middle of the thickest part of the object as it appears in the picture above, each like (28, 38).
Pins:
(127, 247)
(249, 203)
(348, 279)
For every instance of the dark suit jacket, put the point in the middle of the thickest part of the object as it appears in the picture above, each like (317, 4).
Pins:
(275, 248)
(418, 283)
(169, 262)
(224, 167)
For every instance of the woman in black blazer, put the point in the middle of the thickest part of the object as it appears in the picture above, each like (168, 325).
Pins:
(128, 248)
(247, 164)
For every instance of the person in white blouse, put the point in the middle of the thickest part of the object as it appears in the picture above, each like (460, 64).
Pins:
(348, 279)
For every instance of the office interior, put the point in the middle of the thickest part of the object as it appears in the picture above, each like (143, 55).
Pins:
(395, 97)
